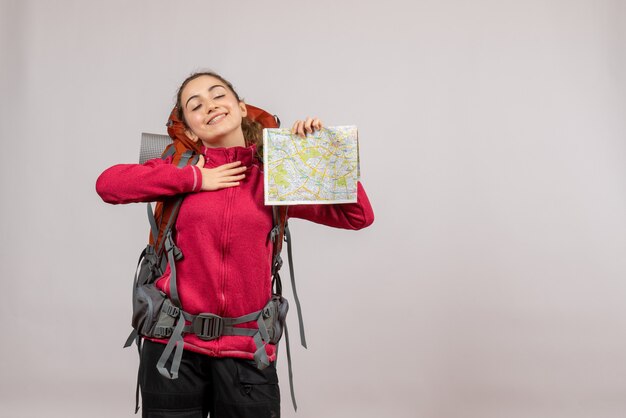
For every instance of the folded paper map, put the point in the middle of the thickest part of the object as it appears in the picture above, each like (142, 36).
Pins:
(321, 168)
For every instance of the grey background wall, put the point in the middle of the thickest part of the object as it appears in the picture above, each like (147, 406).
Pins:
(492, 147)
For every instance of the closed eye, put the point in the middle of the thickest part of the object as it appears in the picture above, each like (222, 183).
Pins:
(196, 108)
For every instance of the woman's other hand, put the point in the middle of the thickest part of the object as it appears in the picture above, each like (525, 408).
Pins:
(308, 126)
(226, 175)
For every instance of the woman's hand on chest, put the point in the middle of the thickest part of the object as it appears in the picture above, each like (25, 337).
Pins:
(223, 176)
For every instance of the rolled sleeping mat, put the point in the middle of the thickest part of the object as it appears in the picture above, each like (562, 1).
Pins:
(152, 146)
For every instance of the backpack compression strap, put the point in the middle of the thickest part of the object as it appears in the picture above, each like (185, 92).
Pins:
(279, 233)
(173, 254)
(166, 211)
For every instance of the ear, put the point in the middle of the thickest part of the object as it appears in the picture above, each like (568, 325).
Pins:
(191, 135)
(243, 108)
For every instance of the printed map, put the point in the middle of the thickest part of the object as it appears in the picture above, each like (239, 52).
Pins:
(321, 168)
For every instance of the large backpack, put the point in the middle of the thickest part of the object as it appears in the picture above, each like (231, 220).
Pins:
(156, 315)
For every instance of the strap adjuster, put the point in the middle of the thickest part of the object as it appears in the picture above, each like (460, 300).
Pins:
(208, 326)
(162, 332)
(278, 262)
(170, 309)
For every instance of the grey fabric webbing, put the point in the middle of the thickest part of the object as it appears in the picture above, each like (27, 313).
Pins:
(187, 155)
(159, 250)
(185, 158)
(228, 322)
(293, 285)
(260, 337)
(277, 263)
(173, 216)
(139, 347)
(153, 225)
(133, 334)
(152, 146)
(176, 340)
(169, 152)
(173, 253)
(291, 389)
(170, 248)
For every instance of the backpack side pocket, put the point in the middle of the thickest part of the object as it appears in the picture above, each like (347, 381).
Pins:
(153, 313)
(274, 316)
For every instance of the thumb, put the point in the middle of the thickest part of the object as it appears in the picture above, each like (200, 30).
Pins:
(200, 162)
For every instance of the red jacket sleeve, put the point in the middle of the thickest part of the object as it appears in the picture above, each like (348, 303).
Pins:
(342, 215)
(148, 182)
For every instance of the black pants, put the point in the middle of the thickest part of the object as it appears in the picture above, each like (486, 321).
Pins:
(221, 387)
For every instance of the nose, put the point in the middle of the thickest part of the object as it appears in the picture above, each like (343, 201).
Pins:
(211, 105)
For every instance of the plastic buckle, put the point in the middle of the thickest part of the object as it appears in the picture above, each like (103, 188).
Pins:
(169, 244)
(278, 262)
(273, 233)
(162, 332)
(208, 326)
(178, 254)
(170, 309)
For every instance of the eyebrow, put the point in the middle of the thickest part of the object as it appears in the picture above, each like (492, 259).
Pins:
(210, 88)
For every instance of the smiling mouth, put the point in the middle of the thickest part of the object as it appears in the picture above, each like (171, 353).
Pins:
(217, 119)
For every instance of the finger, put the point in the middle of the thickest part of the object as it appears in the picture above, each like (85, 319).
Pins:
(317, 124)
(301, 129)
(231, 179)
(234, 171)
(200, 162)
(307, 125)
(294, 128)
(224, 185)
(298, 127)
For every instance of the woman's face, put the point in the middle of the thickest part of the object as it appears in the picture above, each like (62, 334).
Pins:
(212, 112)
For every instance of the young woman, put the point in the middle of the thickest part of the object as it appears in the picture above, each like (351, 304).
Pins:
(222, 230)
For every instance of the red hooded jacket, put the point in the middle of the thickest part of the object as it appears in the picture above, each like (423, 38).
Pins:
(223, 235)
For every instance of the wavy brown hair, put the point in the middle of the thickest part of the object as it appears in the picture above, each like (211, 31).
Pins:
(252, 130)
